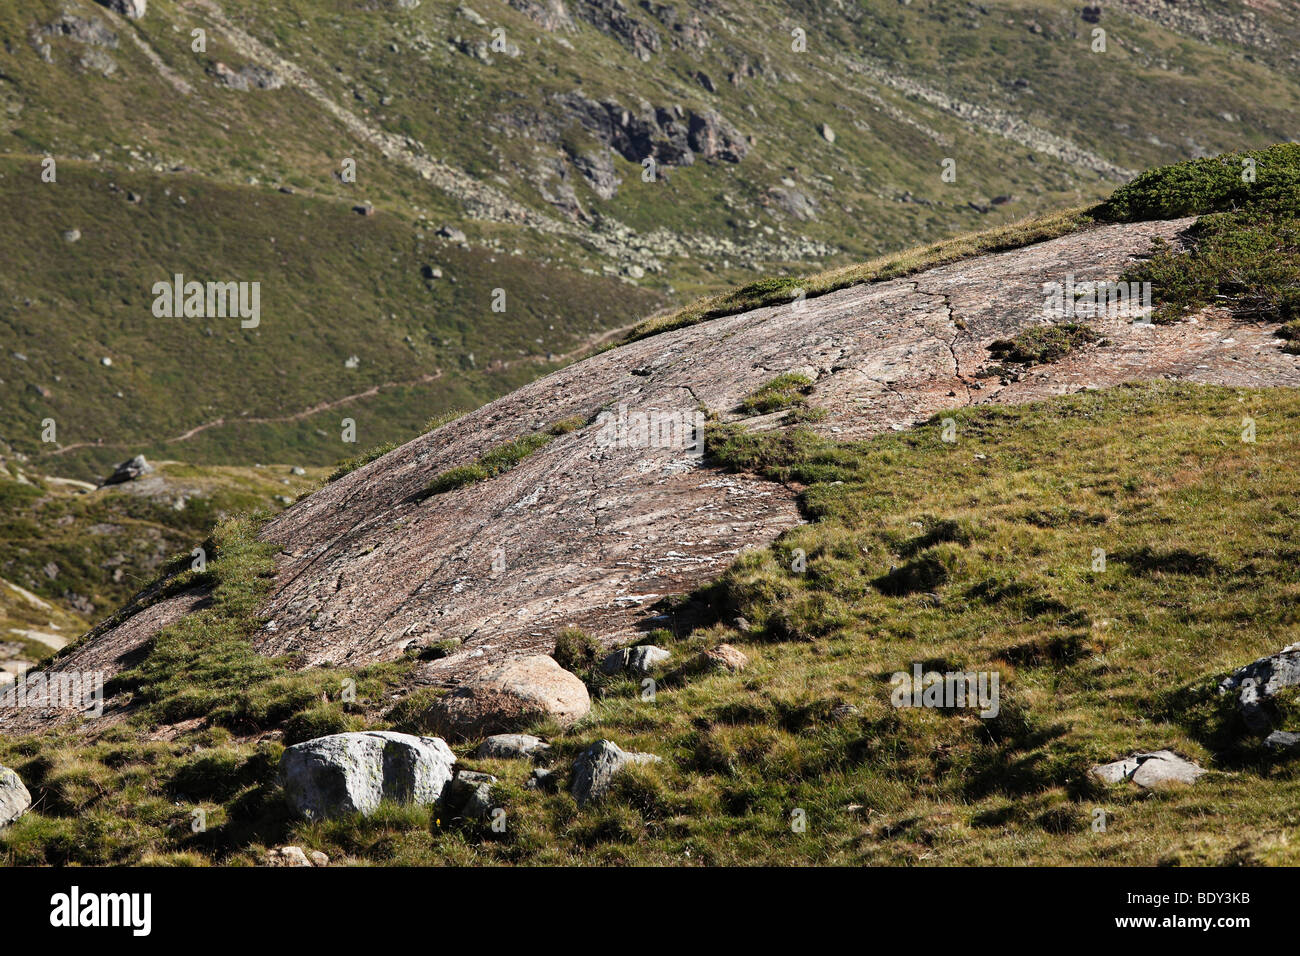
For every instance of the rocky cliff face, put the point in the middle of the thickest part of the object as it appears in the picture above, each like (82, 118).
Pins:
(597, 526)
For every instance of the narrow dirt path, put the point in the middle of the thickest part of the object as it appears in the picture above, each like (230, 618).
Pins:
(316, 409)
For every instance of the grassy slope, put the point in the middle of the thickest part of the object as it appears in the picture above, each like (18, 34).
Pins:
(1244, 249)
(782, 290)
(334, 284)
(973, 555)
(108, 544)
(465, 111)
(1200, 577)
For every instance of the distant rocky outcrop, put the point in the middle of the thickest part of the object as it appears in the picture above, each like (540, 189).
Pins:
(671, 136)
(128, 470)
(550, 15)
(248, 77)
(613, 18)
(91, 32)
(133, 9)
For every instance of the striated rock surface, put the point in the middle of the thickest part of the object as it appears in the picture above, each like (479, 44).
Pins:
(596, 534)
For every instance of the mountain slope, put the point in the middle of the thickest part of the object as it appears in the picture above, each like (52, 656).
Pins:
(354, 321)
(577, 94)
(769, 160)
(939, 473)
(536, 513)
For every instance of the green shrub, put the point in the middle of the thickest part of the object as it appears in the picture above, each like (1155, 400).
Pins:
(1244, 251)
(1213, 184)
(577, 651)
(407, 716)
(494, 462)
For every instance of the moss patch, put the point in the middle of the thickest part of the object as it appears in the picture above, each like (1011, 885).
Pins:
(1043, 343)
(783, 392)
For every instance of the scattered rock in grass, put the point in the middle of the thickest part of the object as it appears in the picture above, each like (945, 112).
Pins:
(542, 779)
(470, 795)
(295, 856)
(353, 772)
(14, 798)
(503, 698)
(128, 470)
(1283, 742)
(1148, 770)
(449, 232)
(638, 660)
(246, 78)
(71, 235)
(1259, 681)
(132, 9)
(724, 657)
(594, 771)
(842, 712)
(287, 856)
(512, 747)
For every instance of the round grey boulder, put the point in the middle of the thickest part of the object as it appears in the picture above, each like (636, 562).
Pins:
(352, 773)
(14, 798)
